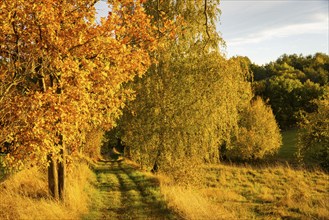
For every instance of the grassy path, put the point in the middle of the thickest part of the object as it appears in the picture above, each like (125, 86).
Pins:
(126, 193)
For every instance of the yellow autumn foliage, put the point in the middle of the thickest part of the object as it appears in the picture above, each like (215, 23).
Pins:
(258, 134)
(62, 73)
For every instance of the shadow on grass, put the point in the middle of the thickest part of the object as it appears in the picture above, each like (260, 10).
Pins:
(128, 193)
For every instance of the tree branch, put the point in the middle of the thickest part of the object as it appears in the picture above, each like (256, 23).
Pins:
(206, 16)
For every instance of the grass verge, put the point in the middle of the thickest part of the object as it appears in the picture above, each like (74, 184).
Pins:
(24, 195)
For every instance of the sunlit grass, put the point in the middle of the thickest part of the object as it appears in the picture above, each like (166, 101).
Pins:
(219, 192)
(127, 193)
(239, 192)
(24, 195)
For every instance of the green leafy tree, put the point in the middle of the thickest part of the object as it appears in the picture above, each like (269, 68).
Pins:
(290, 84)
(188, 103)
(281, 92)
(314, 133)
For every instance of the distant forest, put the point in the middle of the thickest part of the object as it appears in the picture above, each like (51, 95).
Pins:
(291, 84)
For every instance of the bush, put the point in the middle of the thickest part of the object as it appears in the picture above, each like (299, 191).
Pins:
(258, 133)
(313, 138)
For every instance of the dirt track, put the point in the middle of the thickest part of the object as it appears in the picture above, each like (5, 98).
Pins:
(128, 194)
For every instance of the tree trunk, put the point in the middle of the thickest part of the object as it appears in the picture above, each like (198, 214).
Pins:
(127, 152)
(56, 176)
(53, 177)
(61, 175)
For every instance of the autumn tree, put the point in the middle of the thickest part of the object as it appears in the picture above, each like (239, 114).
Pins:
(62, 74)
(258, 134)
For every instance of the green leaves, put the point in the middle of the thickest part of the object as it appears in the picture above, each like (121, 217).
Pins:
(290, 84)
(313, 137)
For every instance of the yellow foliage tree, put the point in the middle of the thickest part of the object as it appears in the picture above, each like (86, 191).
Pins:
(62, 74)
(187, 104)
(258, 134)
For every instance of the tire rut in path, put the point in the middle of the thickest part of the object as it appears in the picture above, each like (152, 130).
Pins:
(128, 194)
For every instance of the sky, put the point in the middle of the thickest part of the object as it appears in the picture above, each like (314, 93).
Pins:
(263, 30)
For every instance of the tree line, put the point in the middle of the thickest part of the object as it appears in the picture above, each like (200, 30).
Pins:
(297, 88)
(290, 84)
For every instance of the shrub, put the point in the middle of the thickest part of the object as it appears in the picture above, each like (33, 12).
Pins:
(313, 137)
(258, 133)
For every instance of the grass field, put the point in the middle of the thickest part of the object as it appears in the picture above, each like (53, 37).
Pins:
(242, 192)
(287, 152)
(273, 190)
(24, 195)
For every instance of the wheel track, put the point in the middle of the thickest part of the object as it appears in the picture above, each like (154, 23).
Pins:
(128, 194)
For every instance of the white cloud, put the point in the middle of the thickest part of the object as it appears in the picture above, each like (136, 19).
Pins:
(265, 29)
(318, 27)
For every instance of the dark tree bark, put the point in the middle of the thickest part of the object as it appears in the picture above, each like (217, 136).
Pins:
(56, 176)
(53, 177)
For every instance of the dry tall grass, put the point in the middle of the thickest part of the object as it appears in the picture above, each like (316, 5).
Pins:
(25, 195)
(231, 192)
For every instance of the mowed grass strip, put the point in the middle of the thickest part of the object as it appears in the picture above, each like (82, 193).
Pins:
(127, 193)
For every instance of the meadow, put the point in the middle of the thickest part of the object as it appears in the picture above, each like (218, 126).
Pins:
(242, 192)
(289, 147)
(223, 191)
(278, 189)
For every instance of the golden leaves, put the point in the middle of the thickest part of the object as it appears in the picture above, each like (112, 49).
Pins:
(68, 71)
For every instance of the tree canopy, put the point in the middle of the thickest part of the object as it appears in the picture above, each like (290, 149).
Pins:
(290, 84)
(189, 102)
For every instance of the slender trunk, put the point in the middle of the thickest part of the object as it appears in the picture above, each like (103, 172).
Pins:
(61, 163)
(53, 177)
(56, 176)
(61, 175)
(127, 152)
(56, 169)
